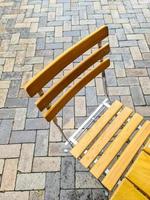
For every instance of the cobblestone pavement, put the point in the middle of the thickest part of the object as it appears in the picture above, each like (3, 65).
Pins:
(33, 165)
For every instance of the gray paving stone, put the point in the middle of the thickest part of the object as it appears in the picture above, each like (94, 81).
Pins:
(32, 181)
(67, 173)
(111, 78)
(99, 194)
(38, 123)
(32, 111)
(86, 180)
(128, 81)
(16, 103)
(13, 89)
(82, 194)
(22, 137)
(137, 95)
(91, 98)
(5, 131)
(7, 113)
(52, 189)
(41, 146)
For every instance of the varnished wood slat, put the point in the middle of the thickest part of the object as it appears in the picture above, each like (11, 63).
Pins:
(124, 160)
(116, 145)
(44, 76)
(104, 138)
(139, 173)
(72, 75)
(147, 147)
(95, 129)
(127, 191)
(60, 103)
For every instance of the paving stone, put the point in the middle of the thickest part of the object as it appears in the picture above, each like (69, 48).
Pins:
(25, 161)
(137, 95)
(67, 172)
(99, 86)
(16, 103)
(143, 110)
(9, 65)
(127, 100)
(32, 111)
(145, 83)
(19, 121)
(99, 194)
(10, 151)
(80, 106)
(136, 54)
(5, 131)
(38, 123)
(84, 194)
(91, 92)
(36, 195)
(86, 180)
(13, 89)
(32, 181)
(52, 189)
(136, 72)
(14, 195)
(1, 165)
(15, 38)
(9, 175)
(57, 149)
(46, 164)
(41, 146)
(111, 78)
(128, 81)
(118, 91)
(68, 117)
(3, 94)
(55, 134)
(23, 136)
(119, 69)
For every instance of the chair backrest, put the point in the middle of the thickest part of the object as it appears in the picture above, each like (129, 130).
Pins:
(36, 84)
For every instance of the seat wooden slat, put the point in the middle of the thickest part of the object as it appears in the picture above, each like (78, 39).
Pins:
(116, 145)
(104, 138)
(60, 103)
(44, 76)
(95, 129)
(147, 147)
(45, 99)
(127, 191)
(139, 173)
(124, 160)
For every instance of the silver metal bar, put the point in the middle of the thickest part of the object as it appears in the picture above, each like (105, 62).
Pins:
(88, 121)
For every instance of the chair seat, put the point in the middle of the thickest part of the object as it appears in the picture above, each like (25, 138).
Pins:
(127, 191)
(105, 147)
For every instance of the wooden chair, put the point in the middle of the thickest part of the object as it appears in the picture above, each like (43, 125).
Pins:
(105, 135)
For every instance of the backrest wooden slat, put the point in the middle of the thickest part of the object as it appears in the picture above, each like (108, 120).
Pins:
(56, 107)
(44, 100)
(49, 72)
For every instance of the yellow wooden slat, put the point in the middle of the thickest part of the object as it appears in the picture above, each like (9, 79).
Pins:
(61, 102)
(77, 150)
(116, 145)
(147, 147)
(44, 76)
(104, 138)
(124, 160)
(139, 173)
(45, 99)
(127, 191)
